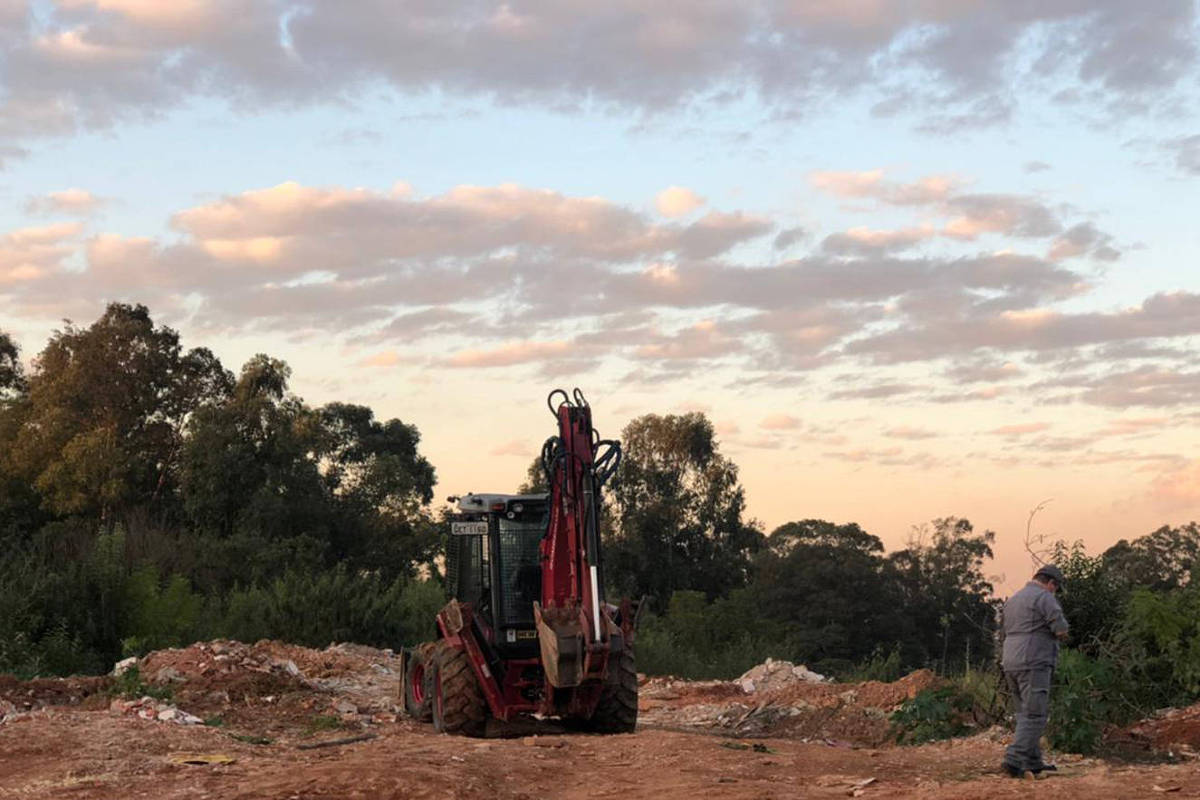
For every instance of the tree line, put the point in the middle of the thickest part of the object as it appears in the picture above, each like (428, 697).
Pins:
(150, 497)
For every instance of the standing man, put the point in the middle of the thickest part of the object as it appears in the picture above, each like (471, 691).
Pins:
(1033, 624)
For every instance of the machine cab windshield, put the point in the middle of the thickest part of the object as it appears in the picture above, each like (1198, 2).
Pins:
(493, 563)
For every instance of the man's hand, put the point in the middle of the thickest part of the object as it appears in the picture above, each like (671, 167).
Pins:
(1063, 635)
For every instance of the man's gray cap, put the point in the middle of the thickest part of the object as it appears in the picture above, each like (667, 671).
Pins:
(1053, 573)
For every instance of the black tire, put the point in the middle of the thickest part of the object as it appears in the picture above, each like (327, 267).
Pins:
(418, 703)
(458, 703)
(617, 710)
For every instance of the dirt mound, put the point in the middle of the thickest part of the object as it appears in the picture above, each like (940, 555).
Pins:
(271, 687)
(1173, 730)
(18, 696)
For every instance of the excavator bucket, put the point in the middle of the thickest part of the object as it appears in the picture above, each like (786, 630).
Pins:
(560, 634)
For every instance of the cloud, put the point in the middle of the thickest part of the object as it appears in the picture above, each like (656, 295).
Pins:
(511, 354)
(1152, 386)
(1082, 239)
(1134, 427)
(967, 215)
(1186, 151)
(530, 278)
(870, 184)
(513, 447)
(703, 340)
(865, 242)
(386, 358)
(878, 391)
(1178, 488)
(1020, 430)
(78, 64)
(1161, 315)
(1009, 215)
(983, 372)
(78, 202)
(676, 201)
(30, 254)
(779, 422)
(906, 432)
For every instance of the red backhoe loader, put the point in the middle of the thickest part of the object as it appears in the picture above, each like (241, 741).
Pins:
(526, 629)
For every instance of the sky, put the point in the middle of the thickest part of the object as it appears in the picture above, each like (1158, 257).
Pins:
(913, 259)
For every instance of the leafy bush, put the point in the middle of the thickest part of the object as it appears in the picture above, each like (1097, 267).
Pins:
(336, 605)
(129, 684)
(1085, 698)
(699, 640)
(940, 713)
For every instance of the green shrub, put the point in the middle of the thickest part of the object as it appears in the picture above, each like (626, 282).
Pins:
(336, 605)
(1084, 699)
(129, 684)
(934, 714)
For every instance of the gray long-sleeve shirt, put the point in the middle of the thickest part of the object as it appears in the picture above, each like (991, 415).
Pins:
(1032, 621)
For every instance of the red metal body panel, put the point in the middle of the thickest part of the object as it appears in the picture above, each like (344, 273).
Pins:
(564, 579)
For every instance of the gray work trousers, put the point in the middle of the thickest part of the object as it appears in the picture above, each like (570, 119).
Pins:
(1031, 698)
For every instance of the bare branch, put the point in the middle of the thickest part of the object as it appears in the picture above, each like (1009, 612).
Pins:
(1038, 556)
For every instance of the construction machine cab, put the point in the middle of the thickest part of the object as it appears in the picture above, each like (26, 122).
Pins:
(493, 563)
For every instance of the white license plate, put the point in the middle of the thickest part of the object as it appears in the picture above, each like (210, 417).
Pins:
(462, 528)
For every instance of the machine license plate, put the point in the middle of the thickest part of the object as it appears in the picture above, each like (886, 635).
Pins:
(473, 528)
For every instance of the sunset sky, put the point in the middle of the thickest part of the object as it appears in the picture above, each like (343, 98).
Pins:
(913, 259)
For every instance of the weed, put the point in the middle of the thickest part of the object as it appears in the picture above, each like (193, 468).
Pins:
(251, 739)
(322, 722)
(129, 684)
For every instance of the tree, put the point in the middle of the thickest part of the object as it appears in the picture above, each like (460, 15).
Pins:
(249, 476)
(381, 488)
(1162, 560)
(19, 503)
(106, 408)
(832, 590)
(676, 512)
(12, 374)
(945, 593)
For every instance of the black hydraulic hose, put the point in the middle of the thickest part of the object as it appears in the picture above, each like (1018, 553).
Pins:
(550, 400)
(606, 461)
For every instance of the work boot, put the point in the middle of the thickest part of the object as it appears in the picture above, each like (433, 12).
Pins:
(1011, 771)
(1038, 770)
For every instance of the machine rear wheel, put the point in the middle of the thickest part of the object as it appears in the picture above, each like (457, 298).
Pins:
(417, 700)
(458, 703)
(618, 707)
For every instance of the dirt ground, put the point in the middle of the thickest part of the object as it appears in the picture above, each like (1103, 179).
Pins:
(276, 721)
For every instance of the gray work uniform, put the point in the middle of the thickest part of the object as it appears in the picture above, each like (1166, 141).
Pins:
(1032, 620)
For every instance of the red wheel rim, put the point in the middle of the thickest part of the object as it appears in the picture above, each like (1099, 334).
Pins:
(418, 684)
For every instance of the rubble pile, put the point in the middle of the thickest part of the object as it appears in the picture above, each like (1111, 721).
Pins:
(268, 685)
(780, 699)
(771, 675)
(149, 708)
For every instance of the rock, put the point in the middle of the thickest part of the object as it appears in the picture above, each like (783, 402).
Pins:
(543, 741)
(168, 675)
(124, 665)
(345, 707)
(172, 714)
